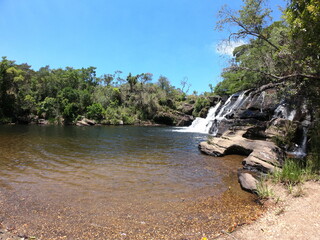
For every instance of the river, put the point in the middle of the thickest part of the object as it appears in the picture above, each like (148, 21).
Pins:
(123, 182)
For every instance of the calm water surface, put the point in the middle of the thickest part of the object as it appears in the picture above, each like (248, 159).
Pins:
(116, 183)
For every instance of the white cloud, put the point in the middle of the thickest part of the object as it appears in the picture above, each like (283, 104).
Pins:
(227, 47)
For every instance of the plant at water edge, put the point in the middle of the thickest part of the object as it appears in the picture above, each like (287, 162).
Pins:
(292, 172)
(263, 189)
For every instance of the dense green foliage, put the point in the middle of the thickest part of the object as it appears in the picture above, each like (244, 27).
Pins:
(286, 52)
(67, 95)
(283, 51)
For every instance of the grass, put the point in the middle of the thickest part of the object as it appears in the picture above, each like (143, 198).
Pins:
(263, 189)
(292, 173)
(299, 192)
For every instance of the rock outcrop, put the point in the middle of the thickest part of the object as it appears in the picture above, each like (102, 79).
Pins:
(85, 122)
(173, 118)
(248, 123)
(262, 156)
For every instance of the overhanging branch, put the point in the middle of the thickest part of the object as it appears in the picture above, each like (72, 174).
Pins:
(279, 78)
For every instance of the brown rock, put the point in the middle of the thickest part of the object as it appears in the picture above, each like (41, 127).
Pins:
(262, 155)
(247, 181)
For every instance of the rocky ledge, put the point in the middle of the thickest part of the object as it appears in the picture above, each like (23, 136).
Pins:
(245, 124)
(262, 156)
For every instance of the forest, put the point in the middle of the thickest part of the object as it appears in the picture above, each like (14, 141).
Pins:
(285, 51)
(63, 96)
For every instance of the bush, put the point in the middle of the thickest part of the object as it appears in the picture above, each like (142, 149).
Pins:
(286, 135)
(201, 103)
(70, 112)
(114, 116)
(313, 159)
(47, 108)
(293, 172)
(95, 111)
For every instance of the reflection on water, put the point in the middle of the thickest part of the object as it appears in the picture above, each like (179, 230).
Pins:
(114, 183)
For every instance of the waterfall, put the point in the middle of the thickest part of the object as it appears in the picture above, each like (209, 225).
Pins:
(300, 150)
(282, 111)
(230, 106)
(216, 114)
(202, 125)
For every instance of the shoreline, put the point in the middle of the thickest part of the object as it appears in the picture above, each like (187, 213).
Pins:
(289, 216)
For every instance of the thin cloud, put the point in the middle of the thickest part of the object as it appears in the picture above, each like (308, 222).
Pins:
(227, 47)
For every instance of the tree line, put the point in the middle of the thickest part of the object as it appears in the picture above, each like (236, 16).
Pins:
(66, 95)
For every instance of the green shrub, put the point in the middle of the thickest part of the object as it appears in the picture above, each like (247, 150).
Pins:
(95, 111)
(293, 172)
(313, 159)
(70, 112)
(286, 135)
(201, 103)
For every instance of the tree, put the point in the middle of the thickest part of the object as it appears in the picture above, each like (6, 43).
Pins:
(250, 20)
(283, 51)
(185, 84)
(303, 17)
(164, 84)
(132, 80)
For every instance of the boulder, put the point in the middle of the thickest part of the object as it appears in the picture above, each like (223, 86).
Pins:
(85, 122)
(247, 181)
(42, 121)
(187, 108)
(261, 155)
(173, 119)
(185, 120)
(81, 123)
(204, 112)
(256, 133)
(164, 118)
(214, 100)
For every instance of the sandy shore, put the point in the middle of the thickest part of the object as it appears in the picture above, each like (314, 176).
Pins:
(290, 216)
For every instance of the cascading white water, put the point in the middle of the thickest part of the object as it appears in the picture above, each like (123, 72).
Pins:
(203, 125)
(300, 150)
(229, 107)
(283, 112)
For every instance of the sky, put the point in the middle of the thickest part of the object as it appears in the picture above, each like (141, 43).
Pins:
(173, 38)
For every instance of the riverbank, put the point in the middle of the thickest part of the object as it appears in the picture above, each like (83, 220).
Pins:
(290, 216)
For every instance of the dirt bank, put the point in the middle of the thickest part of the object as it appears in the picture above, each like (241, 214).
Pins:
(291, 216)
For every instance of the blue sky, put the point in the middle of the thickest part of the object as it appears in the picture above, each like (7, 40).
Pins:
(174, 38)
